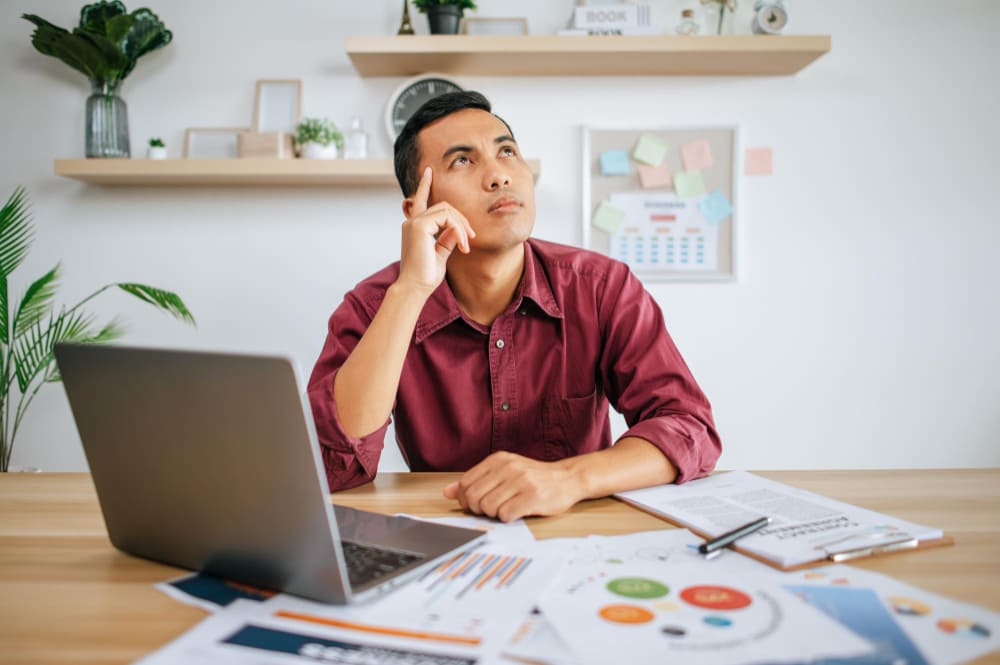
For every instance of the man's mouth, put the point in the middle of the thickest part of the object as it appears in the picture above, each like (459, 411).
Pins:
(505, 204)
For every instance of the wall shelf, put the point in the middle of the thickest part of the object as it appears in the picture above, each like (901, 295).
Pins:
(665, 55)
(235, 172)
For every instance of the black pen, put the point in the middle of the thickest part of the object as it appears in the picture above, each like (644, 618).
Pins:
(713, 547)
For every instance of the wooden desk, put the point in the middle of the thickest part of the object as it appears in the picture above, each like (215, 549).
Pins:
(67, 596)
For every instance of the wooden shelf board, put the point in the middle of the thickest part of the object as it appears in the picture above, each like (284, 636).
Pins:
(235, 172)
(670, 55)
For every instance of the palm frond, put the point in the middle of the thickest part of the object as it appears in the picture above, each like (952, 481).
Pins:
(33, 353)
(109, 333)
(165, 300)
(37, 301)
(15, 232)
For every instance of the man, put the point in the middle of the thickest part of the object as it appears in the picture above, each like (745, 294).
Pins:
(498, 354)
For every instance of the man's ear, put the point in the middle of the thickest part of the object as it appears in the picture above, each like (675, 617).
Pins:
(407, 205)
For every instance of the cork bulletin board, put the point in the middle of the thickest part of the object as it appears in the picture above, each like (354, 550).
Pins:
(663, 200)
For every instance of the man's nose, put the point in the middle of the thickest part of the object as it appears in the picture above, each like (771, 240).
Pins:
(497, 178)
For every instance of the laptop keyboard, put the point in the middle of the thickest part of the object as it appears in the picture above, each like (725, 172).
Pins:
(366, 563)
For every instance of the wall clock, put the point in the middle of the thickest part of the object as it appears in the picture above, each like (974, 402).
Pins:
(769, 17)
(410, 95)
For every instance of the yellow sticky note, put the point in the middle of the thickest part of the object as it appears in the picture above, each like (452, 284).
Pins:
(650, 150)
(697, 155)
(688, 184)
(607, 217)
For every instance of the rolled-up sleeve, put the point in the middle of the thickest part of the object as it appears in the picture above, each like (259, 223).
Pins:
(349, 461)
(647, 380)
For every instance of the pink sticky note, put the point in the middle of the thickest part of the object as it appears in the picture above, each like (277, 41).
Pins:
(654, 176)
(758, 162)
(697, 155)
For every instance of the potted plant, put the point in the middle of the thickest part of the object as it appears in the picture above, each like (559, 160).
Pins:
(157, 149)
(318, 138)
(444, 16)
(104, 47)
(31, 328)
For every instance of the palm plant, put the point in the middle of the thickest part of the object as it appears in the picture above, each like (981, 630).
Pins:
(31, 328)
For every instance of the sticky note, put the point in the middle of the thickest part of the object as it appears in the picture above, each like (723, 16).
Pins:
(758, 162)
(615, 162)
(650, 150)
(607, 217)
(689, 184)
(651, 177)
(716, 207)
(697, 155)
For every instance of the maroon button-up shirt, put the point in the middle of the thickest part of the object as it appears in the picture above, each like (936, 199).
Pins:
(580, 332)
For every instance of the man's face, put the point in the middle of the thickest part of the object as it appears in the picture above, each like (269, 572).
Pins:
(479, 170)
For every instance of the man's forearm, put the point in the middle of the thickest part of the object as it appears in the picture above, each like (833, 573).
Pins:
(630, 464)
(365, 386)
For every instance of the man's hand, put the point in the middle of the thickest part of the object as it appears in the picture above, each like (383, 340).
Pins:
(430, 235)
(508, 486)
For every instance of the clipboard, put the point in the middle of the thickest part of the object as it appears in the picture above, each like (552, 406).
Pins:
(861, 534)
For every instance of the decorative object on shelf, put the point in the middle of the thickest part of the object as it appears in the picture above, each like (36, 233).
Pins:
(157, 149)
(410, 95)
(630, 19)
(30, 329)
(770, 17)
(104, 47)
(719, 15)
(405, 27)
(444, 16)
(264, 145)
(277, 105)
(687, 26)
(212, 142)
(494, 26)
(356, 144)
(318, 138)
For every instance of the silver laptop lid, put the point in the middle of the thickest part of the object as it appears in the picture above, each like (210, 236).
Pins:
(201, 460)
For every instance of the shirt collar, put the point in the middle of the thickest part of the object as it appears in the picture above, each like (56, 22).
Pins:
(442, 308)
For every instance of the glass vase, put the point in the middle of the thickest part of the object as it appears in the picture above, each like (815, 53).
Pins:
(107, 122)
(719, 17)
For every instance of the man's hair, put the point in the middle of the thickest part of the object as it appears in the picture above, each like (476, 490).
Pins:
(406, 149)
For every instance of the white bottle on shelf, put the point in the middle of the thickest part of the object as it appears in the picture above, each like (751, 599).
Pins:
(356, 145)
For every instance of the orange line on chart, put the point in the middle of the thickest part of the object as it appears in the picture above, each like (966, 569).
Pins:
(458, 571)
(510, 572)
(488, 575)
(381, 630)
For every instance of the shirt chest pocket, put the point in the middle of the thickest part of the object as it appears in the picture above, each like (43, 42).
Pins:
(567, 425)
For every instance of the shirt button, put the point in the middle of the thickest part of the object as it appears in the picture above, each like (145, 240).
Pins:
(505, 406)
(524, 312)
(499, 343)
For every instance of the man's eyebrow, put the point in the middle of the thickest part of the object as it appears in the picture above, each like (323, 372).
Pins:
(504, 138)
(456, 148)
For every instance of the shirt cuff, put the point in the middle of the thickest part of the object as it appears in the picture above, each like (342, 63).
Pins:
(693, 454)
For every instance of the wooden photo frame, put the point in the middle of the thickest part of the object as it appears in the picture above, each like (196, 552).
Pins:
(648, 217)
(277, 105)
(212, 142)
(494, 26)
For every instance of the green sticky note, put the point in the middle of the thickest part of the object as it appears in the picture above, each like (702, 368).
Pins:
(688, 184)
(650, 150)
(607, 217)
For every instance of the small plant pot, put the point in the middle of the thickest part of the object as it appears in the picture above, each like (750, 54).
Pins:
(313, 150)
(444, 19)
(156, 152)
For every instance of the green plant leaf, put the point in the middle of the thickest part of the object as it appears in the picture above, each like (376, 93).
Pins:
(72, 49)
(109, 333)
(96, 16)
(15, 232)
(118, 27)
(165, 300)
(37, 301)
(113, 62)
(146, 34)
(33, 353)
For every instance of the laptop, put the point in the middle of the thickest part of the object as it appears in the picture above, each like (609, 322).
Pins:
(210, 461)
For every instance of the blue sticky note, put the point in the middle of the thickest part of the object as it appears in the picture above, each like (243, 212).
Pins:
(615, 162)
(715, 207)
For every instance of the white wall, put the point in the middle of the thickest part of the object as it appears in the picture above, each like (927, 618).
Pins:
(863, 330)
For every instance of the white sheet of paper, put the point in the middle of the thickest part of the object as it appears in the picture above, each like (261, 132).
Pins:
(662, 232)
(805, 526)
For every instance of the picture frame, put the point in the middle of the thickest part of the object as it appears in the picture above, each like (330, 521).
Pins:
(277, 105)
(514, 26)
(212, 142)
(658, 228)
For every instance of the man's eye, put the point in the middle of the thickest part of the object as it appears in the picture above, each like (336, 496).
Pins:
(461, 160)
(508, 151)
